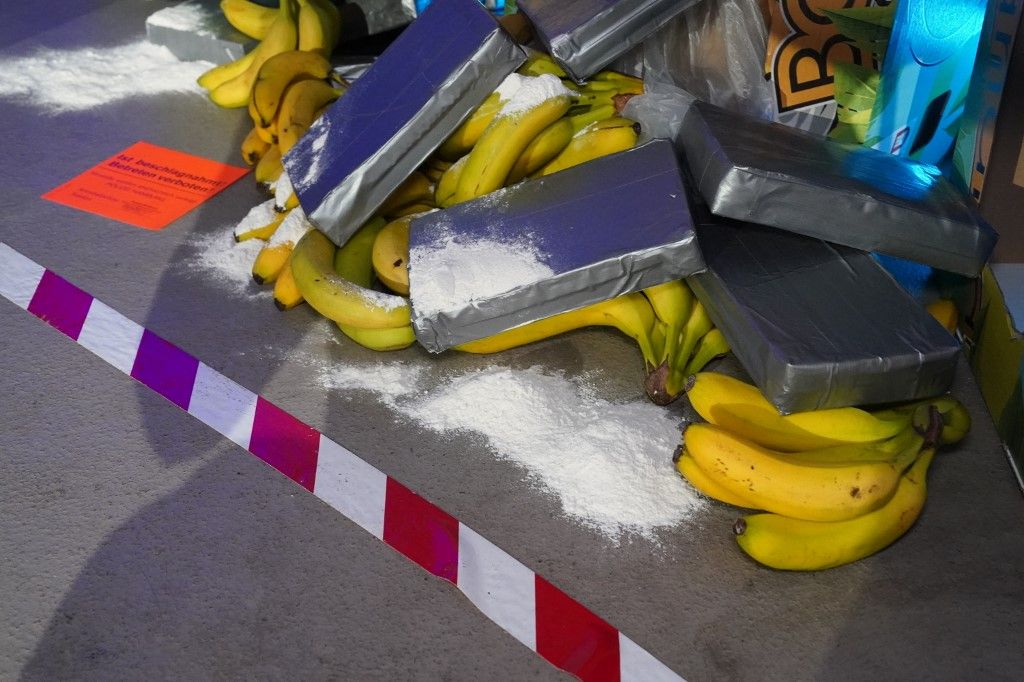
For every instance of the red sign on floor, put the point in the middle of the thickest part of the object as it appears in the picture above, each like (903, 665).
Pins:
(146, 186)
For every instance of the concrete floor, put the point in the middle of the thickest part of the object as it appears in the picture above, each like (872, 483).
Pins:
(136, 542)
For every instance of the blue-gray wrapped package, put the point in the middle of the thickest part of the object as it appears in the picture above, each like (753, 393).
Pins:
(584, 36)
(815, 324)
(196, 30)
(429, 79)
(771, 174)
(549, 245)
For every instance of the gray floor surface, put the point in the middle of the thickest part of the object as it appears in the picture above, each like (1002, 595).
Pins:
(137, 543)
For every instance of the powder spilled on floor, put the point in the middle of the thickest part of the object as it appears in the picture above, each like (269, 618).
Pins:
(607, 463)
(74, 80)
(229, 263)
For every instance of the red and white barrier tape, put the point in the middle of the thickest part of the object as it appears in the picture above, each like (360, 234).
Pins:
(523, 603)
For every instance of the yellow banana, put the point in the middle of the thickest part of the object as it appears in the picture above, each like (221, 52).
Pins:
(540, 63)
(353, 260)
(615, 76)
(799, 545)
(269, 168)
(672, 302)
(444, 193)
(315, 31)
(270, 261)
(337, 298)
(330, 17)
(222, 73)
(697, 325)
(395, 338)
(705, 484)
(583, 115)
(712, 345)
(907, 443)
(434, 168)
(250, 18)
(253, 147)
(956, 420)
(262, 231)
(281, 37)
(286, 294)
(494, 154)
(599, 139)
(546, 146)
(631, 314)
(944, 310)
(469, 131)
(277, 73)
(391, 256)
(741, 408)
(825, 492)
(299, 106)
(415, 189)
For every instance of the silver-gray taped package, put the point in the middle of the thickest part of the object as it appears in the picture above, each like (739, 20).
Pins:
(771, 174)
(197, 30)
(414, 96)
(545, 246)
(584, 36)
(817, 325)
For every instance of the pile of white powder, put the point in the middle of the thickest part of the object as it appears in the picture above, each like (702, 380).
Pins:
(608, 464)
(521, 93)
(73, 80)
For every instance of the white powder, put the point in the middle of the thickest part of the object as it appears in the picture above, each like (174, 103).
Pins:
(608, 464)
(291, 228)
(528, 91)
(450, 274)
(318, 133)
(282, 189)
(73, 80)
(226, 261)
(192, 17)
(258, 216)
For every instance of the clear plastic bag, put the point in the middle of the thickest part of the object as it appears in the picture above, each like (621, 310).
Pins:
(715, 52)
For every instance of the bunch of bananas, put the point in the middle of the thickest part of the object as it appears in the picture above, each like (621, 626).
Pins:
(834, 485)
(492, 149)
(305, 25)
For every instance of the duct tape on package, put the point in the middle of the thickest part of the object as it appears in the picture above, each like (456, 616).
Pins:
(388, 122)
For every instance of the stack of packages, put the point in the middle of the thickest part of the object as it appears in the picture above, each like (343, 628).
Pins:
(507, 190)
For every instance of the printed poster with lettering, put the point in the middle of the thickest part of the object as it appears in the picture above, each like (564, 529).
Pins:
(146, 185)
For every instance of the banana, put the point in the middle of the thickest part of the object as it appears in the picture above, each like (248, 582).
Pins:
(286, 294)
(264, 231)
(250, 18)
(269, 169)
(299, 106)
(415, 189)
(279, 72)
(222, 73)
(672, 302)
(696, 327)
(434, 167)
(705, 484)
(540, 63)
(317, 32)
(894, 449)
(630, 313)
(444, 193)
(633, 81)
(270, 261)
(956, 420)
(494, 154)
(546, 146)
(469, 131)
(799, 545)
(583, 115)
(353, 260)
(337, 298)
(740, 407)
(395, 338)
(413, 210)
(712, 345)
(825, 492)
(253, 147)
(281, 37)
(608, 136)
(391, 256)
